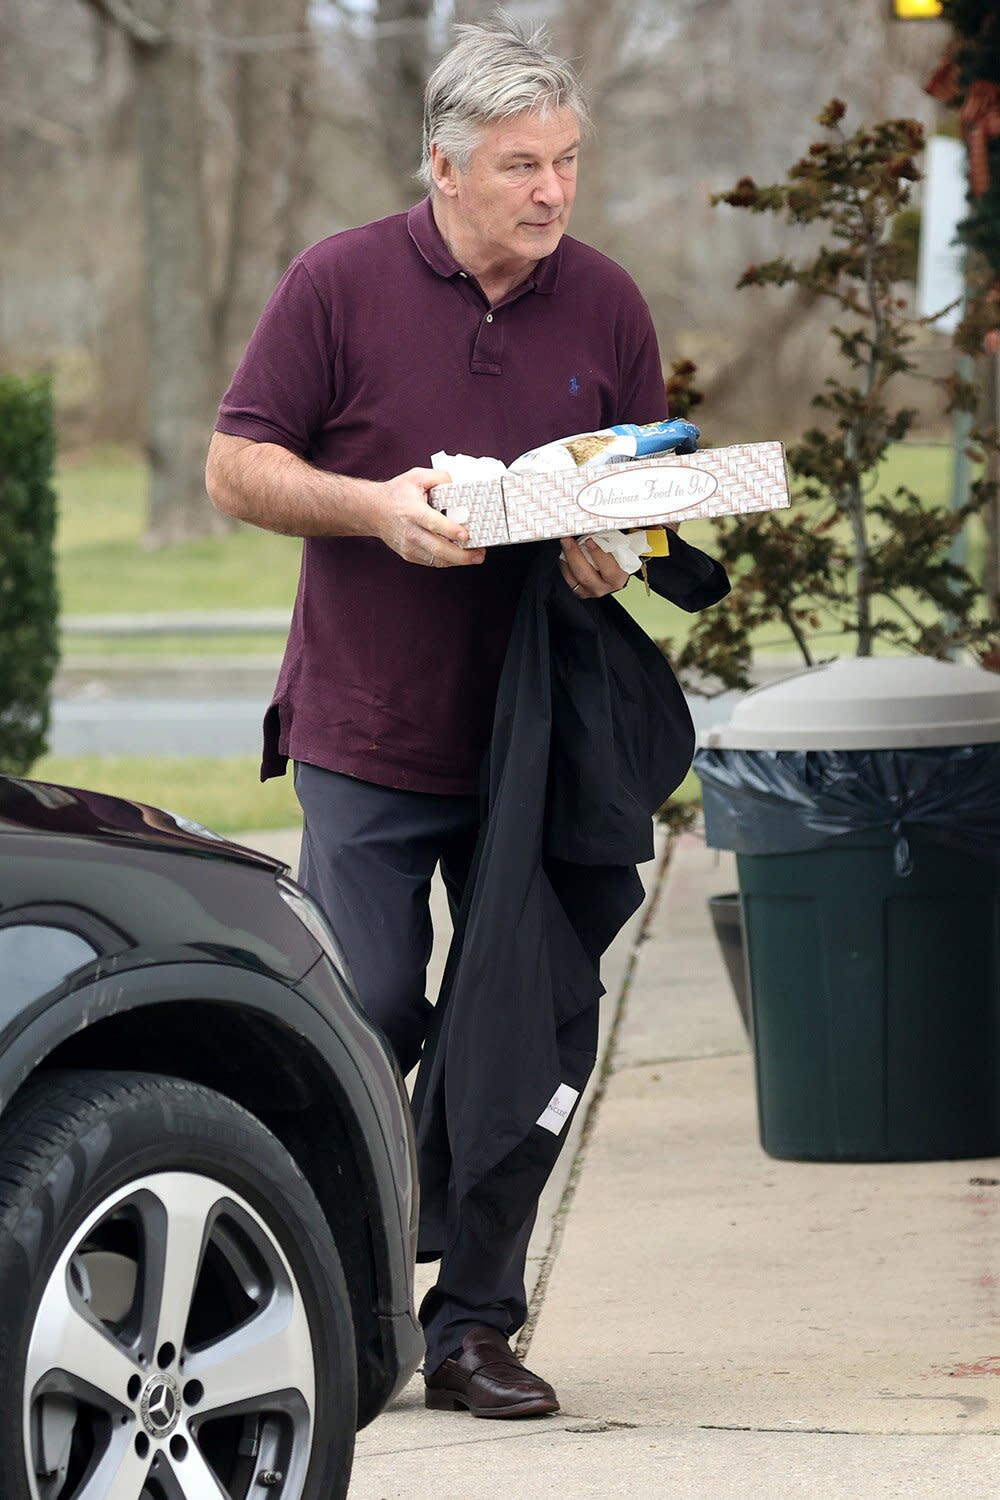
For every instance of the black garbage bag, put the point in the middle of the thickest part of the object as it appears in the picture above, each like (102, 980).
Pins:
(786, 801)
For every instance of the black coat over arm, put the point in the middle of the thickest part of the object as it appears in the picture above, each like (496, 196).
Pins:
(591, 735)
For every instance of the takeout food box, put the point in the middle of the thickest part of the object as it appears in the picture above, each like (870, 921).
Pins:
(645, 492)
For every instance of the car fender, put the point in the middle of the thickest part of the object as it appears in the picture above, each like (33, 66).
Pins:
(379, 1117)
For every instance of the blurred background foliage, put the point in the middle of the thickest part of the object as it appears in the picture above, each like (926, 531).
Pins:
(302, 118)
(161, 161)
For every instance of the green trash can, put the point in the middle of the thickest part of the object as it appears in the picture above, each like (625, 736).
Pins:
(875, 981)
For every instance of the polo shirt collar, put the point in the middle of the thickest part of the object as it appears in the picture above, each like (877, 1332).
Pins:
(428, 239)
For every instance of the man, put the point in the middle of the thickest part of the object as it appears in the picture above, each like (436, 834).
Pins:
(471, 323)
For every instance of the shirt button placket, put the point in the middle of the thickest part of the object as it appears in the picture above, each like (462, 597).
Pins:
(489, 345)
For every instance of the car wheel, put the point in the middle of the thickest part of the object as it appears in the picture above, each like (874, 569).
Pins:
(174, 1320)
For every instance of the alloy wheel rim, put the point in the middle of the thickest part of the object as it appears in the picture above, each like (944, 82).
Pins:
(170, 1356)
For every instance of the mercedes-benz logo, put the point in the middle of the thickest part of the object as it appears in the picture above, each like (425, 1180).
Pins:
(160, 1406)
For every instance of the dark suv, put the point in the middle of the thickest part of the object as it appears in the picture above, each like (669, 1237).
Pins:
(207, 1180)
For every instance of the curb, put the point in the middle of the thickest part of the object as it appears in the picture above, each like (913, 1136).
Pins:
(573, 1160)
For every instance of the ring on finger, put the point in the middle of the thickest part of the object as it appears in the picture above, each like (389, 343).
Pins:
(577, 587)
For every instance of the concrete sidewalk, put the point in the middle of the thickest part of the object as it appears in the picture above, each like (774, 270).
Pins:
(713, 1319)
(197, 704)
(616, 968)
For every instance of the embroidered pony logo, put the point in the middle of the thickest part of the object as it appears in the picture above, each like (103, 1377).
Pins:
(574, 386)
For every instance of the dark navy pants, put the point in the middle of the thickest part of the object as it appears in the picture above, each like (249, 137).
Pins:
(368, 855)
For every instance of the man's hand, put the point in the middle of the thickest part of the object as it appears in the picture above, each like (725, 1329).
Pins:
(589, 570)
(405, 520)
(268, 486)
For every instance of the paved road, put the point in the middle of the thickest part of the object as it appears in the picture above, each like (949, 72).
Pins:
(158, 726)
(717, 1322)
(205, 704)
(201, 726)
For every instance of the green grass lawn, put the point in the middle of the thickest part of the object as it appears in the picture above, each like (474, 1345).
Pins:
(225, 794)
(924, 468)
(96, 646)
(104, 568)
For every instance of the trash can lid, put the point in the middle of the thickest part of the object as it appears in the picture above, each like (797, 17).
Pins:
(866, 703)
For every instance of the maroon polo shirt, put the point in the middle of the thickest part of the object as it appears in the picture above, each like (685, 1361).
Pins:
(375, 351)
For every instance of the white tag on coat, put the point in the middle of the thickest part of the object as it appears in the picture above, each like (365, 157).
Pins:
(555, 1114)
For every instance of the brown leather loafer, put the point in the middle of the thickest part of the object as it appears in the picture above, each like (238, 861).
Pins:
(487, 1378)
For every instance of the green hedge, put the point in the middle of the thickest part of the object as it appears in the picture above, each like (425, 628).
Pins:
(29, 603)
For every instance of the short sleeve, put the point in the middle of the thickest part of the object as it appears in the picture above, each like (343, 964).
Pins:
(282, 390)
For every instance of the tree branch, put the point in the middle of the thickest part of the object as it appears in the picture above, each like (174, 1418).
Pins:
(797, 634)
(142, 33)
(52, 132)
(732, 376)
(908, 613)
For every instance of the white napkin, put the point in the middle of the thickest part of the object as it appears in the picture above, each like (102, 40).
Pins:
(620, 547)
(466, 470)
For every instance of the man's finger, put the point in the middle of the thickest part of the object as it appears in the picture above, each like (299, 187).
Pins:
(436, 520)
(438, 552)
(437, 524)
(610, 570)
(579, 573)
(458, 557)
(428, 478)
(583, 573)
(583, 569)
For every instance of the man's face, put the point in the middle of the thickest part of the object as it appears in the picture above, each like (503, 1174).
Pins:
(514, 202)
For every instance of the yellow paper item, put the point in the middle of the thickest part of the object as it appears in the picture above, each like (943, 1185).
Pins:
(657, 543)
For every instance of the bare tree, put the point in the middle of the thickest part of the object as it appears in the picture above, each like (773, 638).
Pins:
(268, 182)
(401, 61)
(688, 95)
(170, 150)
(195, 330)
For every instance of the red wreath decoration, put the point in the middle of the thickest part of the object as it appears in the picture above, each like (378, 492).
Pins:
(979, 115)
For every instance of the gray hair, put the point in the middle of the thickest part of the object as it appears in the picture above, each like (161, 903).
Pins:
(493, 71)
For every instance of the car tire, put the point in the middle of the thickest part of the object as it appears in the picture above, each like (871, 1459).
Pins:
(173, 1309)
